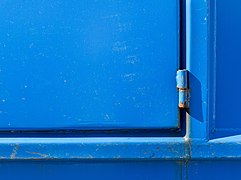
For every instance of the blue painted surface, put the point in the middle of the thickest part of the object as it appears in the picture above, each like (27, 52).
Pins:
(198, 155)
(88, 64)
(228, 48)
(103, 170)
(200, 170)
(226, 77)
(197, 64)
(182, 81)
(104, 148)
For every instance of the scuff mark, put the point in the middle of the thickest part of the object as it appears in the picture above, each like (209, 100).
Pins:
(132, 59)
(37, 153)
(14, 152)
(119, 46)
(129, 77)
(110, 16)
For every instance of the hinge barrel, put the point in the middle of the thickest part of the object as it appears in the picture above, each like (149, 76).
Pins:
(183, 88)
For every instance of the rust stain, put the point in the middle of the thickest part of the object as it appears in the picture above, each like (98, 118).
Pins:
(183, 105)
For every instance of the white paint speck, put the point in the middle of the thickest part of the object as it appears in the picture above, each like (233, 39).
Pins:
(107, 117)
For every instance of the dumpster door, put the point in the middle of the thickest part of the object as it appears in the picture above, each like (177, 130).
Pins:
(89, 64)
(226, 69)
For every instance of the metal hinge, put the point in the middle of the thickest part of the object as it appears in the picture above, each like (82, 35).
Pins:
(183, 88)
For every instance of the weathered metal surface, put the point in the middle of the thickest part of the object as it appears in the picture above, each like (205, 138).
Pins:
(183, 88)
(88, 64)
(195, 156)
(72, 149)
(111, 148)
(182, 79)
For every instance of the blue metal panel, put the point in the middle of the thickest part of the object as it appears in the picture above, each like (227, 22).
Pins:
(226, 67)
(103, 170)
(91, 148)
(194, 156)
(197, 64)
(199, 170)
(88, 64)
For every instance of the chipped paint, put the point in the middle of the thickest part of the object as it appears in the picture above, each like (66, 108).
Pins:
(183, 88)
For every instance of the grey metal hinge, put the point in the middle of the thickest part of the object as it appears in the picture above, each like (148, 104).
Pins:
(183, 88)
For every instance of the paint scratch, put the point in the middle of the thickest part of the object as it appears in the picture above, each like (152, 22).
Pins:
(14, 152)
(37, 153)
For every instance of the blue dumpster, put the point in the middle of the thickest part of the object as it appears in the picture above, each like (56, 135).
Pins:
(120, 89)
